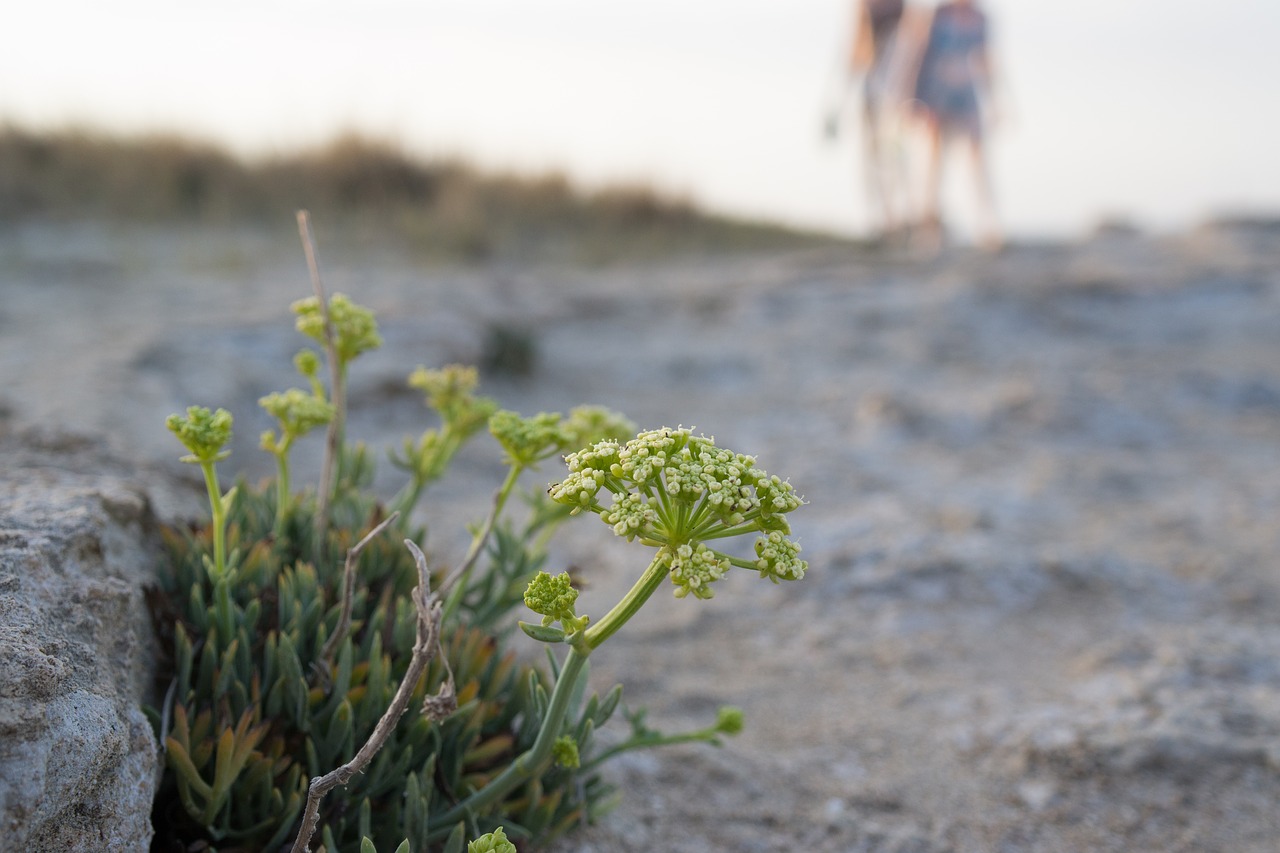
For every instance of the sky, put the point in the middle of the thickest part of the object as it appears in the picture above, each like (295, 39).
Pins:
(1157, 112)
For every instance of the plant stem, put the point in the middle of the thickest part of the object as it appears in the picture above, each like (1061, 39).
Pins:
(349, 589)
(477, 542)
(282, 488)
(333, 434)
(407, 498)
(218, 518)
(629, 605)
(649, 740)
(222, 608)
(532, 760)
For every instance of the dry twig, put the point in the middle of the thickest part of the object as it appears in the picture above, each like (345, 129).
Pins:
(337, 392)
(349, 588)
(434, 707)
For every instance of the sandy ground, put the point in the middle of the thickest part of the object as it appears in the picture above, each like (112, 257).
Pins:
(1043, 608)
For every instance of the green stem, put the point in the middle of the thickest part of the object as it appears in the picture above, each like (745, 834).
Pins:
(407, 498)
(222, 609)
(629, 605)
(460, 574)
(741, 562)
(648, 740)
(218, 521)
(282, 487)
(532, 760)
(698, 515)
(340, 420)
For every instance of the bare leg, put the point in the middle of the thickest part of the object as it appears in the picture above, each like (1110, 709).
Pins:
(881, 199)
(990, 237)
(931, 215)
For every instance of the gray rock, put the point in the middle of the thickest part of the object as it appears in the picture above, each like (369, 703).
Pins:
(78, 759)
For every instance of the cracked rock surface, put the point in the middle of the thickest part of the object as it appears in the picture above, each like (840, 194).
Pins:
(1043, 608)
(78, 759)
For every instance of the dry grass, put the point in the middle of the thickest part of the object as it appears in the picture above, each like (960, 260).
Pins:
(443, 208)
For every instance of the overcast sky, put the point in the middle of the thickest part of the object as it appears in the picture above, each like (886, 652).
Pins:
(1162, 111)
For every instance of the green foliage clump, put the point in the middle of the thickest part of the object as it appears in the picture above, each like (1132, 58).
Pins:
(314, 651)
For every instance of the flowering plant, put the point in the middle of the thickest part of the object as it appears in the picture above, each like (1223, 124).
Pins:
(288, 661)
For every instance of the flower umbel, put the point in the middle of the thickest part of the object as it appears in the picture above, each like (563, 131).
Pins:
(205, 433)
(553, 597)
(679, 492)
(298, 412)
(729, 720)
(202, 432)
(693, 568)
(532, 439)
(589, 424)
(354, 328)
(565, 752)
(527, 441)
(450, 391)
(492, 842)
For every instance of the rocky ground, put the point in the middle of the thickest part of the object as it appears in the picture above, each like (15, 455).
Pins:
(1043, 608)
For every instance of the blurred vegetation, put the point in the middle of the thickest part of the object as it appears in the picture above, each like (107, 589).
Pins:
(443, 208)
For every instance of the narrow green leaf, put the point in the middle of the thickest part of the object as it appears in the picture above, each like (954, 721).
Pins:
(184, 655)
(457, 838)
(608, 705)
(226, 671)
(366, 818)
(180, 761)
(543, 633)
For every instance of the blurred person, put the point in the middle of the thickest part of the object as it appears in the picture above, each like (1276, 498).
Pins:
(952, 88)
(872, 58)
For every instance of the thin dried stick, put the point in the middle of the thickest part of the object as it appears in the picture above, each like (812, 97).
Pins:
(477, 544)
(349, 588)
(337, 391)
(435, 707)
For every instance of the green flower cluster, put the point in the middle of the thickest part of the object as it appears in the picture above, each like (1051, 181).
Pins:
(298, 412)
(677, 491)
(202, 432)
(450, 391)
(528, 441)
(205, 433)
(729, 720)
(307, 363)
(565, 752)
(553, 597)
(589, 424)
(354, 328)
(693, 568)
(492, 842)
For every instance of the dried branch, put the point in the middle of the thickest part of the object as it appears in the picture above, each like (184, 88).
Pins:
(477, 543)
(333, 435)
(435, 707)
(349, 588)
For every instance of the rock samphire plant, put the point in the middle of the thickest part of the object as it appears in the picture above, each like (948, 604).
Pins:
(325, 686)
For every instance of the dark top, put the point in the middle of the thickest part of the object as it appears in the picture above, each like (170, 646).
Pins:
(885, 16)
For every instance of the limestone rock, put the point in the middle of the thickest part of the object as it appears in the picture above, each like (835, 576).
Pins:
(78, 759)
